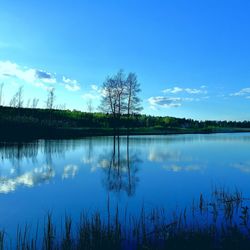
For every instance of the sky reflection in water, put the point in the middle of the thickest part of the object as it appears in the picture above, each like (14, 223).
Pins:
(72, 175)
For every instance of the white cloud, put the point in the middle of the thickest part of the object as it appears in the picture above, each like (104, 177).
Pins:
(41, 85)
(38, 78)
(165, 102)
(171, 102)
(68, 80)
(9, 69)
(193, 91)
(242, 92)
(176, 168)
(29, 179)
(163, 155)
(242, 166)
(70, 84)
(173, 90)
(190, 99)
(70, 171)
(94, 87)
(72, 87)
(95, 92)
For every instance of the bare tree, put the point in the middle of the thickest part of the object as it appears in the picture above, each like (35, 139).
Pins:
(28, 103)
(120, 95)
(50, 99)
(13, 101)
(17, 100)
(132, 90)
(1, 94)
(89, 106)
(120, 88)
(20, 97)
(113, 99)
(109, 100)
(35, 102)
(60, 106)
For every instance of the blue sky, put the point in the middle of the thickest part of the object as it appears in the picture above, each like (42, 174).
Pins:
(192, 57)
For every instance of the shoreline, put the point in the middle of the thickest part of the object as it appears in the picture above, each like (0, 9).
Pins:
(22, 134)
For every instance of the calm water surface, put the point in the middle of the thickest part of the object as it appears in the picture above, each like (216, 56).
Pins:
(69, 176)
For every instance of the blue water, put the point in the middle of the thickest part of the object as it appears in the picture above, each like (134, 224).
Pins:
(69, 176)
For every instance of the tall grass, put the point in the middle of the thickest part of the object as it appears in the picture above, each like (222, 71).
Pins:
(218, 222)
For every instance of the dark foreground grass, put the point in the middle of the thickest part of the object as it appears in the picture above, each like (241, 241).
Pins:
(221, 222)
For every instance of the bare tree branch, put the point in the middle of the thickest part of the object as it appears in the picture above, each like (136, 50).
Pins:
(50, 103)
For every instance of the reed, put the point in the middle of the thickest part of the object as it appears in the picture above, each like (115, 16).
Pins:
(218, 222)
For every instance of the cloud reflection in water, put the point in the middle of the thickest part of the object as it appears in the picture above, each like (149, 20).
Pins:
(29, 179)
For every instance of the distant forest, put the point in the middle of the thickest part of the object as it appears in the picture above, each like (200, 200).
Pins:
(12, 117)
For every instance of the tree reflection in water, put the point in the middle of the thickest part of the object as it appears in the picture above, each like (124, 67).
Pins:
(31, 164)
(121, 169)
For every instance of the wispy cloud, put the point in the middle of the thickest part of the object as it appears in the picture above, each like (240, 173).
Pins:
(176, 168)
(242, 92)
(166, 102)
(172, 102)
(94, 87)
(173, 90)
(94, 93)
(177, 95)
(36, 77)
(242, 166)
(194, 91)
(70, 84)
(70, 171)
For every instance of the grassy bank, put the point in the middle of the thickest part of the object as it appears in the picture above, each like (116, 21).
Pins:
(27, 123)
(220, 222)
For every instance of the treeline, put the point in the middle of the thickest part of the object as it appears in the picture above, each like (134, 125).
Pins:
(120, 109)
(76, 119)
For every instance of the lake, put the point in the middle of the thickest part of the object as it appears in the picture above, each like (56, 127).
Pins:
(69, 176)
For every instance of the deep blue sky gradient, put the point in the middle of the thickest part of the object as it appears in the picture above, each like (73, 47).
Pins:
(185, 44)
